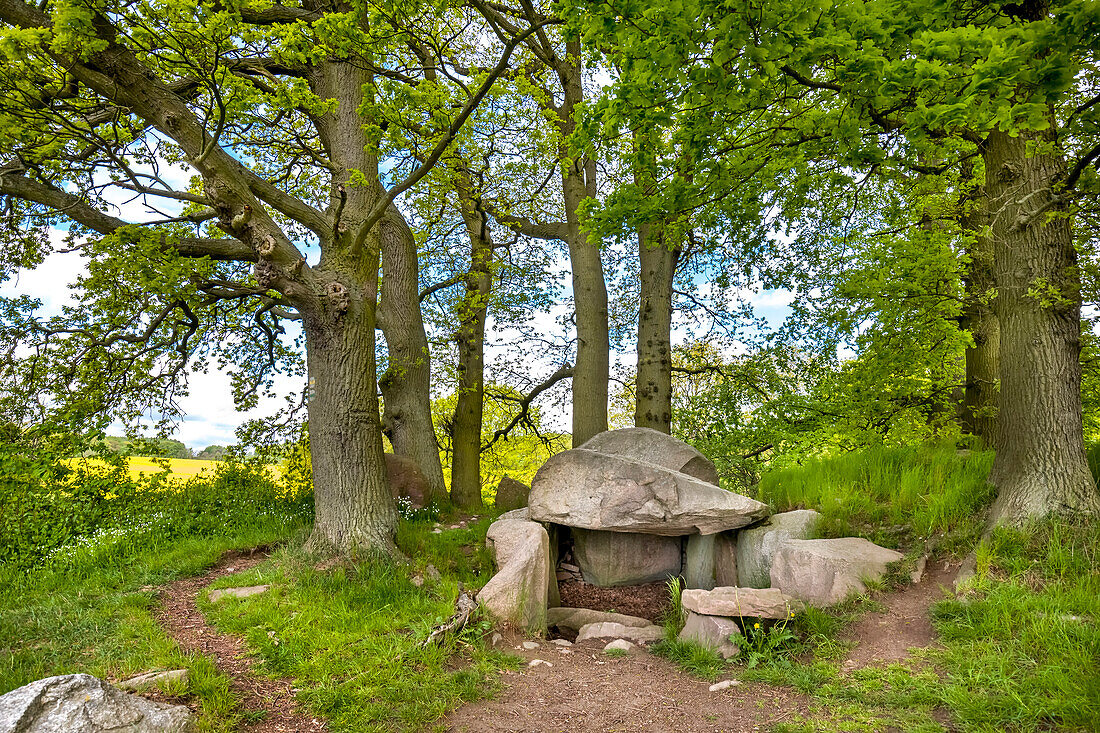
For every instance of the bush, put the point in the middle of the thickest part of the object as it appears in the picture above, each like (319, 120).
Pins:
(50, 511)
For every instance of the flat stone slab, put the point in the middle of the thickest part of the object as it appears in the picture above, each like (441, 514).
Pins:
(154, 679)
(825, 572)
(653, 446)
(81, 703)
(245, 592)
(619, 645)
(637, 634)
(591, 490)
(737, 602)
(574, 618)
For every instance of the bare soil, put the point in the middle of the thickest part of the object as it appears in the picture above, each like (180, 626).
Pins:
(270, 701)
(585, 690)
(649, 601)
(882, 638)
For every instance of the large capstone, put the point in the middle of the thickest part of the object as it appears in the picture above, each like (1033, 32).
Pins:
(80, 703)
(620, 558)
(652, 446)
(591, 490)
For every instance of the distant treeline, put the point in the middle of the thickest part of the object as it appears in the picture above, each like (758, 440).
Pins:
(165, 447)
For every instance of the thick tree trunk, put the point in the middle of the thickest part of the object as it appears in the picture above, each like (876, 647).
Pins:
(470, 338)
(593, 369)
(1040, 466)
(979, 404)
(653, 386)
(406, 384)
(355, 510)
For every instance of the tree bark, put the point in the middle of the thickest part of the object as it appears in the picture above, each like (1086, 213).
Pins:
(406, 384)
(653, 385)
(354, 508)
(978, 412)
(593, 368)
(470, 339)
(1040, 466)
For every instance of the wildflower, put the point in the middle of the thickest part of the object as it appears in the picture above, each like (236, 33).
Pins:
(756, 625)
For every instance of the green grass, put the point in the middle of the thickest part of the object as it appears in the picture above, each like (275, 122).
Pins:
(896, 497)
(350, 636)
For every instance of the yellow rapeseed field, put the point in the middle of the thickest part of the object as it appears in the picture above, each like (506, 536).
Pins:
(180, 469)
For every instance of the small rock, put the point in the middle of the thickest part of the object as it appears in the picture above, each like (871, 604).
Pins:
(496, 639)
(562, 642)
(565, 651)
(918, 572)
(437, 530)
(570, 567)
(621, 645)
(539, 663)
(529, 645)
(432, 573)
(724, 685)
(153, 679)
(417, 581)
(245, 592)
(640, 634)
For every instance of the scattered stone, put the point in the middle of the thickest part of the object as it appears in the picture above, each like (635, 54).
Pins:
(155, 679)
(511, 494)
(252, 590)
(518, 593)
(653, 446)
(566, 651)
(529, 645)
(590, 490)
(575, 618)
(431, 572)
(725, 559)
(497, 638)
(619, 645)
(713, 632)
(437, 530)
(724, 685)
(418, 581)
(81, 703)
(824, 572)
(620, 558)
(699, 561)
(736, 602)
(562, 642)
(756, 546)
(917, 575)
(570, 567)
(407, 481)
(639, 634)
(539, 663)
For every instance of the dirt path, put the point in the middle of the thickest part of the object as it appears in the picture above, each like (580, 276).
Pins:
(270, 700)
(586, 691)
(882, 638)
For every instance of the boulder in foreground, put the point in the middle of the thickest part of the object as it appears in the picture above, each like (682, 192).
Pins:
(80, 703)
(756, 546)
(583, 488)
(825, 572)
(736, 602)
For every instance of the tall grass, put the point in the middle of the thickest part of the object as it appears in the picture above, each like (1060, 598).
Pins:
(893, 496)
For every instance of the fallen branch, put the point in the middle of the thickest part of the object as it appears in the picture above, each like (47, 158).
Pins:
(465, 605)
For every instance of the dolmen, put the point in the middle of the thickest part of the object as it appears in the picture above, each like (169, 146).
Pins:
(634, 506)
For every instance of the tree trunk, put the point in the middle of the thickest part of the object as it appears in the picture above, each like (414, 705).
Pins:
(470, 338)
(355, 510)
(1040, 466)
(979, 403)
(406, 384)
(593, 369)
(653, 386)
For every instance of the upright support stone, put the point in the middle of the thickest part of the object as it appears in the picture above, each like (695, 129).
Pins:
(699, 561)
(621, 558)
(725, 560)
